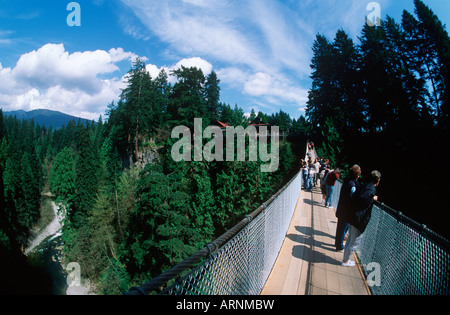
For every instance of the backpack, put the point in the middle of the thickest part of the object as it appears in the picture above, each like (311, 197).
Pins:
(362, 201)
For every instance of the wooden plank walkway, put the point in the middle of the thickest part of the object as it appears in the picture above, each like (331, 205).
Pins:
(308, 263)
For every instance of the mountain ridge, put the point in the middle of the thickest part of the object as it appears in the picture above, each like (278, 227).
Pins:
(46, 117)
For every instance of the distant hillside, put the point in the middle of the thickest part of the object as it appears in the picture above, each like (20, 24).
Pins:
(45, 117)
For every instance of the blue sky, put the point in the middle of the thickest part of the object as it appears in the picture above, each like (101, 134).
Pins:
(260, 49)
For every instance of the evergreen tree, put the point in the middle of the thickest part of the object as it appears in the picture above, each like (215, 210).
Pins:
(159, 232)
(212, 96)
(111, 166)
(187, 101)
(62, 178)
(163, 92)
(5, 233)
(430, 44)
(348, 114)
(86, 180)
(203, 203)
(29, 196)
(138, 101)
(320, 102)
(282, 120)
(376, 75)
(233, 116)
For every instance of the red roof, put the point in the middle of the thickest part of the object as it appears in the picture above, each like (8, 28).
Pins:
(223, 125)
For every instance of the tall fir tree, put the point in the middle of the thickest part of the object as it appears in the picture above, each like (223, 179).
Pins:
(138, 100)
(86, 180)
(187, 98)
(433, 49)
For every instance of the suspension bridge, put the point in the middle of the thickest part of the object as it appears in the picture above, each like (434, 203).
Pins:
(286, 247)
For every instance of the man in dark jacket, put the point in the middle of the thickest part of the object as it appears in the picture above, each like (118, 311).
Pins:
(345, 205)
(359, 218)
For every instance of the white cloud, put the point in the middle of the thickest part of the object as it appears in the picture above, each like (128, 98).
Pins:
(52, 78)
(275, 90)
(51, 65)
(153, 70)
(200, 3)
(118, 54)
(73, 83)
(198, 27)
(259, 84)
(233, 76)
(197, 62)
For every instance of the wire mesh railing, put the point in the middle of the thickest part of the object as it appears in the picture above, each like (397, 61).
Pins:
(407, 258)
(411, 259)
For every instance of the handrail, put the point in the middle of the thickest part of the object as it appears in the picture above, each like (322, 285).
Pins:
(421, 228)
(412, 259)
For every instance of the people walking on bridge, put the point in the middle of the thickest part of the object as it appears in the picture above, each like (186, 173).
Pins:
(323, 185)
(358, 219)
(304, 171)
(311, 175)
(344, 206)
(331, 180)
(317, 166)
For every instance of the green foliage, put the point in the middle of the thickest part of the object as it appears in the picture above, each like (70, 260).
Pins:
(86, 179)
(62, 176)
(160, 233)
(187, 99)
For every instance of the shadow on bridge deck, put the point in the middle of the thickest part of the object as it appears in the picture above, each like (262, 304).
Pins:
(308, 263)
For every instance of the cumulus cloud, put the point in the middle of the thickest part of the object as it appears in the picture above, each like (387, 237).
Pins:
(196, 62)
(118, 54)
(51, 65)
(52, 78)
(79, 83)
